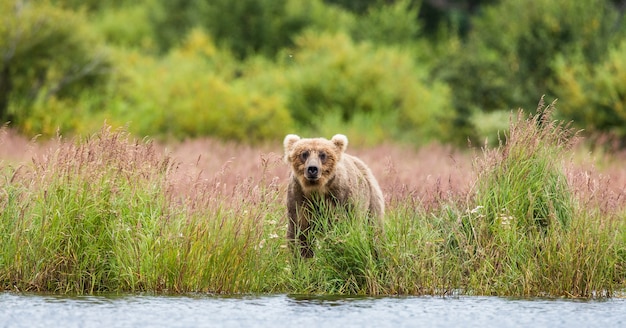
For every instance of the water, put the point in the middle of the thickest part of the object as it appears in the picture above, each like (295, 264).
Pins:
(31, 310)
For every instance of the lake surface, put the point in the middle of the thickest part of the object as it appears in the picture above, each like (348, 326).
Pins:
(36, 310)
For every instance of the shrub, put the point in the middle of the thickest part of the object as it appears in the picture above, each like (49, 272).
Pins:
(593, 96)
(503, 64)
(48, 117)
(356, 6)
(388, 24)
(521, 183)
(89, 5)
(333, 79)
(246, 27)
(113, 25)
(320, 17)
(490, 126)
(193, 92)
(47, 52)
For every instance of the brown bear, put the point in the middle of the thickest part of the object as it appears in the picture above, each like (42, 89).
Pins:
(322, 173)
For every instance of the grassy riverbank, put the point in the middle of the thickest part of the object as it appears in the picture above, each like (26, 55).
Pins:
(110, 213)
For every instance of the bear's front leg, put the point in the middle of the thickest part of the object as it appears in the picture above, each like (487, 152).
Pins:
(305, 247)
(297, 236)
(298, 230)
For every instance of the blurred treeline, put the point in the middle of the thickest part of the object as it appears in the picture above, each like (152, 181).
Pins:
(254, 70)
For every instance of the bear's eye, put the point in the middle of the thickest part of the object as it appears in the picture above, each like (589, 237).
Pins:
(304, 155)
(322, 156)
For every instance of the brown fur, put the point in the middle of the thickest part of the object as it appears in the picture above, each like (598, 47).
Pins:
(321, 171)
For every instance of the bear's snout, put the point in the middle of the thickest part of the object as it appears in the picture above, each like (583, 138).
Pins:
(312, 172)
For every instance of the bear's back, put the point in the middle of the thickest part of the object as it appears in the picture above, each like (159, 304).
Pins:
(361, 180)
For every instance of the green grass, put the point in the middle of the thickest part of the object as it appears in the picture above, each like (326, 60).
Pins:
(110, 214)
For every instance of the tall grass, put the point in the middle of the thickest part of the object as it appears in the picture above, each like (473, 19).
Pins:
(110, 213)
(103, 214)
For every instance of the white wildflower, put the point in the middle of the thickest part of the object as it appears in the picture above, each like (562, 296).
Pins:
(261, 244)
(477, 209)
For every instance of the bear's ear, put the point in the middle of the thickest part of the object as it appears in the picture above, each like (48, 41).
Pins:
(340, 141)
(288, 143)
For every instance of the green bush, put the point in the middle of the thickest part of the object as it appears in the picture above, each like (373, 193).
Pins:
(50, 116)
(593, 96)
(193, 92)
(47, 52)
(246, 27)
(359, 6)
(90, 5)
(114, 27)
(521, 183)
(388, 24)
(506, 62)
(320, 16)
(333, 79)
(490, 127)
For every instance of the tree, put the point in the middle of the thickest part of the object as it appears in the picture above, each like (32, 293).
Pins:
(507, 64)
(45, 51)
(245, 26)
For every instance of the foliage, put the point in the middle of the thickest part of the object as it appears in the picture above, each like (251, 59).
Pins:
(416, 71)
(594, 95)
(452, 15)
(138, 35)
(333, 79)
(490, 126)
(89, 5)
(54, 115)
(47, 53)
(521, 182)
(352, 5)
(261, 26)
(320, 17)
(192, 92)
(504, 65)
(433, 14)
(392, 24)
(246, 27)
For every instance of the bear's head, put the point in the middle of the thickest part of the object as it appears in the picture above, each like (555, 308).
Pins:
(313, 160)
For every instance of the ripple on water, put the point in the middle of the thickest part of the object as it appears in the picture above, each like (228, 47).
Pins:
(36, 310)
